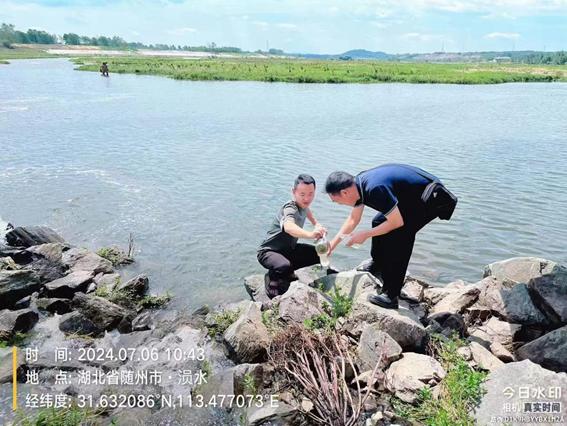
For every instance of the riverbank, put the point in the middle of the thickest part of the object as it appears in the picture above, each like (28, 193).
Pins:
(444, 357)
(22, 53)
(305, 71)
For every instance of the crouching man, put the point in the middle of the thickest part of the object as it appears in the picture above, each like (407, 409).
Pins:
(280, 253)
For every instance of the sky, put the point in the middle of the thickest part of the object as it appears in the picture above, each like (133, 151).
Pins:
(307, 26)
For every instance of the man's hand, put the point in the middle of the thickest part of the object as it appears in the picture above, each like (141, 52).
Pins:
(357, 238)
(317, 233)
(321, 228)
(333, 244)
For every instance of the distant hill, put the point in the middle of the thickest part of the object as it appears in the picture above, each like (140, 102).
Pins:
(351, 54)
(366, 54)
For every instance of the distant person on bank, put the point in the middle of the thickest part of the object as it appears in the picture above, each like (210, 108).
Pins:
(104, 69)
(406, 198)
(280, 253)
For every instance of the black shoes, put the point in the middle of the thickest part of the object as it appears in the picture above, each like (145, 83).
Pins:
(331, 271)
(384, 301)
(275, 288)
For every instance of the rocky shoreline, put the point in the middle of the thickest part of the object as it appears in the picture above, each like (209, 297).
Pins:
(511, 325)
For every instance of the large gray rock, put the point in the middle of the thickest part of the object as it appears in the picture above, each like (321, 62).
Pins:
(509, 302)
(27, 236)
(433, 295)
(142, 322)
(103, 313)
(413, 372)
(137, 286)
(501, 352)
(45, 269)
(254, 285)
(107, 281)
(401, 324)
(495, 330)
(550, 350)
(54, 305)
(70, 284)
(80, 259)
(8, 264)
(375, 345)
(447, 324)
(517, 384)
(310, 274)
(299, 303)
(6, 367)
(413, 291)
(549, 293)
(248, 338)
(484, 358)
(77, 323)
(50, 251)
(19, 255)
(281, 415)
(14, 285)
(260, 374)
(12, 322)
(519, 269)
(349, 283)
(457, 300)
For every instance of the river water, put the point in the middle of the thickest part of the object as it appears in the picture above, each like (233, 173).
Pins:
(196, 170)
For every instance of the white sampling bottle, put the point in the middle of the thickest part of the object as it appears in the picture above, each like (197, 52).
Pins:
(322, 249)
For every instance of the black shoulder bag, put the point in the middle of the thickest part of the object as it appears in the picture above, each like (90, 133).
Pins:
(439, 200)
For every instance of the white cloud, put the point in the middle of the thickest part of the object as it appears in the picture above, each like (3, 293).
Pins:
(261, 24)
(508, 36)
(181, 31)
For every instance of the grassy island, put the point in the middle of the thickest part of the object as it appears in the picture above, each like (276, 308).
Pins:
(308, 71)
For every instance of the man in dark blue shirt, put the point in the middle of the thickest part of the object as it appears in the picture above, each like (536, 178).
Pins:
(395, 191)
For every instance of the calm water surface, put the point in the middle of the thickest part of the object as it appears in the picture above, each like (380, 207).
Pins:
(195, 170)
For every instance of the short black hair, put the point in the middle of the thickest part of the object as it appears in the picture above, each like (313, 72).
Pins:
(306, 179)
(337, 181)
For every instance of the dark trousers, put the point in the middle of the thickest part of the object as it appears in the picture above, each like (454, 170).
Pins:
(392, 252)
(280, 265)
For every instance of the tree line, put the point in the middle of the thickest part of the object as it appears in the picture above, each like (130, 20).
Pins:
(548, 58)
(9, 36)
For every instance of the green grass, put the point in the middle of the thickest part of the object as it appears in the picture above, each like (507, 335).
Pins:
(17, 339)
(72, 416)
(461, 390)
(22, 53)
(221, 321)
(155, 301)
(116, 256)
(340, 306)
(270, 319)
(249, 385)
(320, 322)
(130, 300)
(308, 71)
